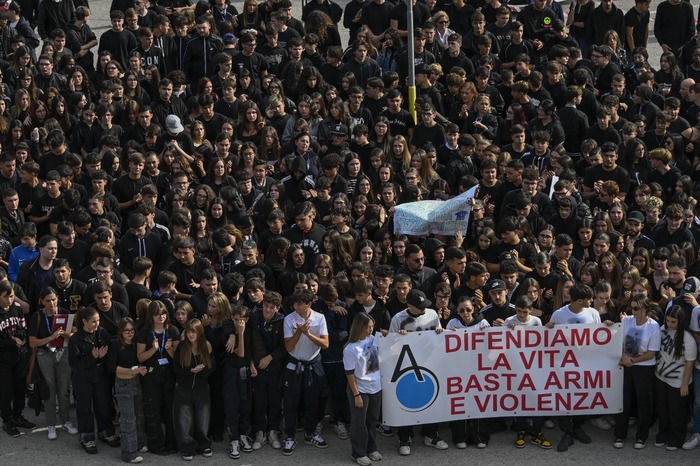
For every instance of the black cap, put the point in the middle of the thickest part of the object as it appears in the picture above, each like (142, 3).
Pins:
(635, 216)
(417, 298)
(497, 285)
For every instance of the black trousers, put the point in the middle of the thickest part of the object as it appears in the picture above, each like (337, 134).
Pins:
(267, 400)
(191, 418)
(158, 393)
(337, 392)
(672, 409)
(294, 390)
(12, 390)
(93, 398)
(217, 425)
(639, 386)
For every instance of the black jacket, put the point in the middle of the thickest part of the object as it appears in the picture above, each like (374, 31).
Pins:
(268, 339)
(12, 324)
(80, 348)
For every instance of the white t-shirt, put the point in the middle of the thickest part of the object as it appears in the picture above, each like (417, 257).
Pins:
(588, 315)
(361, 358)
(669, 369)
(305, 349)
(638, 339)
(456, 323)
(534, 321)
(695, 326)
(404, 320)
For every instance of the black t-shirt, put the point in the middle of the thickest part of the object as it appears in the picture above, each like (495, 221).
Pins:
(597, 173)
(638, 22)
(399, 123)
(147, 337)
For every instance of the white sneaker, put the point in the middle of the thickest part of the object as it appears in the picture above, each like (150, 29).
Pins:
(363, 461)
(70, 428)
(405, 448)
(260, 440)
(461, 445)
(234, 451)
(375, 456)
(246, 444)
(52, 433)
(549, 424)
(601, 423)
(342, 432)
(692, 442)
(274, 439)
(435, 442)
(136, 460)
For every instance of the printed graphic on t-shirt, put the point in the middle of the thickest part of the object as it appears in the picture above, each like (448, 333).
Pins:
(371, 355)
(632, 343)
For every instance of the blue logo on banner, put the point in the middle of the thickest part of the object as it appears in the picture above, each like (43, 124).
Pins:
(416, 387)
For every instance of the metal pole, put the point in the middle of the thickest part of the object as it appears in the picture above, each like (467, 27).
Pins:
(411, 61)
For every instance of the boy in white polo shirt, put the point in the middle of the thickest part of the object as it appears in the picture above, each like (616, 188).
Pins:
(305, 334)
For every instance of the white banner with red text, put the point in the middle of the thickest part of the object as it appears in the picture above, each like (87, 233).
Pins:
(499, 372)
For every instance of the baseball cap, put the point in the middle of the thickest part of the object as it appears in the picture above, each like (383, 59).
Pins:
(340, 129)
(418, 299)
(496, 285)
(173, 124)
(691, 285)
(635, 216)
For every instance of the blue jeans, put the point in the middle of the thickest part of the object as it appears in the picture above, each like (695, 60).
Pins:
(131, 420)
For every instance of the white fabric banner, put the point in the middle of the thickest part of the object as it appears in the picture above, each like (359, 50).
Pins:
(437, 217)
(526, 371)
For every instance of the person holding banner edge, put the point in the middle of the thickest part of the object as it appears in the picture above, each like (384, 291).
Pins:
(578, 311)
(642, 340)
(417, 317)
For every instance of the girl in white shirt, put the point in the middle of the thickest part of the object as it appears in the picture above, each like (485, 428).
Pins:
(642, 339)
(674, 372)
(361, 362)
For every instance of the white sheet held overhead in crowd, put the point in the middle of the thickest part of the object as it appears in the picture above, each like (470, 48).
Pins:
(436, 217)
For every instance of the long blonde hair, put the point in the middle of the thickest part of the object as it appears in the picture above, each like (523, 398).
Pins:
(200, 346)
(359, 327)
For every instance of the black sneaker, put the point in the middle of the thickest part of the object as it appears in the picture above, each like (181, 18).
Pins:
(581, 436)
(315, 440)
(89, 447)
(20, 421)
(11, 430)
(565, 442)
(112, 440)
(289, 446)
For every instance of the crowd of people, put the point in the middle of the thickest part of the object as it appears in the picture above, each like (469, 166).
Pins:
(197, 235)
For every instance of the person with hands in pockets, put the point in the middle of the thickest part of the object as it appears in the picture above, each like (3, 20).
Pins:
(578, 311)
(642, 340)
(417, 317)
(361, 363)
(305, 334)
